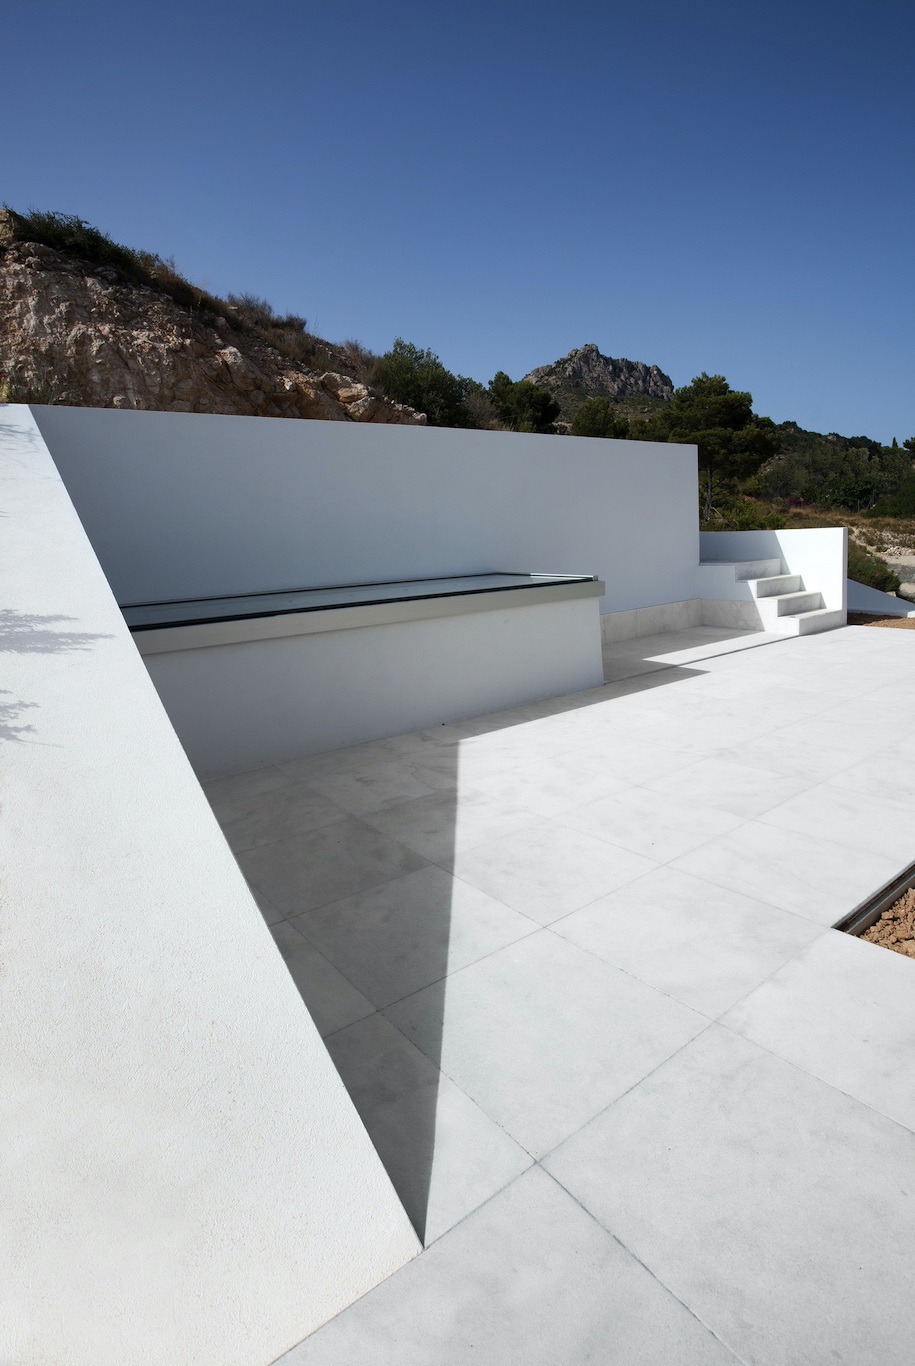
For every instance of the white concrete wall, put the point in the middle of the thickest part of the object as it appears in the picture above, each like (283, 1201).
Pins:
(819, 555)
(178, 504)
(864, 599)
(295, 695)
(183, 1178)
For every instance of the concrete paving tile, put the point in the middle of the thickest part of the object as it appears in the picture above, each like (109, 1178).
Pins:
(413, 745)
(872, 710)
(528, 1280)
(657, 827)
(438, 826)
(844, 1009)
(332, 1001)
(397, 938)
(701, 944)
(325, 865)
(445, 1157)
(547, 872)
(854, 740)
(371, 788)
(542, 1035)
(548, 787)
(780, 1211)
(850, 817)
(887, 774)
(728, 786)
(810, 876)
(278, 815)
(813, 761)
(242, 786)
(627, 759)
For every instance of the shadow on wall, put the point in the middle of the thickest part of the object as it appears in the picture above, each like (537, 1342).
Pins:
(21, 633)
(349, 855)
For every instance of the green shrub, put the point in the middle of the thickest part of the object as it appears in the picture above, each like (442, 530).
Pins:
(742, 514)
(599, 417)
(869, 569)
(898, 504)
(522, 406)
(416, 377)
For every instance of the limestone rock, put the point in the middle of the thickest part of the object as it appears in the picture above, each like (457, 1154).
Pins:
(592, 373)
(82, 334)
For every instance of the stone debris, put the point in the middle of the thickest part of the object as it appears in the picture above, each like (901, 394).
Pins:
(896, 927)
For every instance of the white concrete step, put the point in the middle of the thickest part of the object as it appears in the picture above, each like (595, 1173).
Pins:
(757, 569)
(793, 604)
(775, 585)
(808, 623)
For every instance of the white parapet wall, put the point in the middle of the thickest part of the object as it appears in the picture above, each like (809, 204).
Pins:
(300, 688)
(864, 599)
(183, 1177)
(188, 505)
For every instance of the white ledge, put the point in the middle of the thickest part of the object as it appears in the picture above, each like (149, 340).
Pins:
(195, 637)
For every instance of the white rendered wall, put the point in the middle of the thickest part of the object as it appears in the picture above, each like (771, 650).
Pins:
(819, 555)
(864, 599)
(295, 695)
(183, 1178)
(183, 504)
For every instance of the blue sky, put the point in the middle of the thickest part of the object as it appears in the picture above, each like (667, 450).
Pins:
(708, 186)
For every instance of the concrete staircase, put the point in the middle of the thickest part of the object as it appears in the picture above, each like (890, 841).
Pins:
(785, 605)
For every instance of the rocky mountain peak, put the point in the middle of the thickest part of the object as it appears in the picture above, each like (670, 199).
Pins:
(590, 372)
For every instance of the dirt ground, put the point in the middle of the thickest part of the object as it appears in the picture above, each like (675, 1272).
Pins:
(896, 927)
(873, 619)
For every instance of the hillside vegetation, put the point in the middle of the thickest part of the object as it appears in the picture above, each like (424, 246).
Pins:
(201, 352)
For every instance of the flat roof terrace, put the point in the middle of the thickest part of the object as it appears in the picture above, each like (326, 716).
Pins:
(576, 966)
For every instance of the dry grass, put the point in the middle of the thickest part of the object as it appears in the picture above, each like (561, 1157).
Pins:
(874, 619)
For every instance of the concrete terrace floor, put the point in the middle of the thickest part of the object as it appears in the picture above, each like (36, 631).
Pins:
(575, 966)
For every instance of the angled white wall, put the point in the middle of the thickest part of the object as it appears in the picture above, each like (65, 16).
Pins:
(183, 1178)
(182, 504)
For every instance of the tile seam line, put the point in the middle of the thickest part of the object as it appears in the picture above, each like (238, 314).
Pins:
(710, 1019)
(814, 1076)
(785, 909)
(535, 1161)
(268, 844)
(662, 863)
(645, 1267)
(389, 1005)
(423, 1249)
(709, 1024)
(324, 904)
(746, 896)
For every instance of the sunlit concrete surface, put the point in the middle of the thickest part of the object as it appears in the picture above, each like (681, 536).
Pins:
(575, 965)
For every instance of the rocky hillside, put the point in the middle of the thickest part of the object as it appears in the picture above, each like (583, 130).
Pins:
(586, 373)
(87, 334)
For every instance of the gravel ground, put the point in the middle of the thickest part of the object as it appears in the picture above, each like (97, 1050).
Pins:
(873, 619)
(896, 927)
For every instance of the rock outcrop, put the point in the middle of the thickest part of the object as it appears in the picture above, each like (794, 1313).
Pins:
(83, 334)
(591, 374)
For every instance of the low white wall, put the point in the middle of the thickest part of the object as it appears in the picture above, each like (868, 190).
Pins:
(183, 1177)
(185, 505)
(295, 695)
(649, 621)
(864, 599)
(819, 555)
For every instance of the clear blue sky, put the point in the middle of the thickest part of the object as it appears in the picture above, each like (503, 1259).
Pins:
(724, 185)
